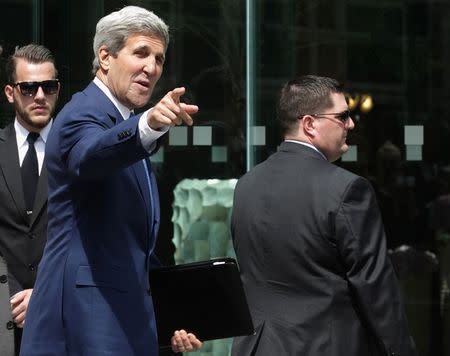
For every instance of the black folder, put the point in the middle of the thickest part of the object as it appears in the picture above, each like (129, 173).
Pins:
(205, 298)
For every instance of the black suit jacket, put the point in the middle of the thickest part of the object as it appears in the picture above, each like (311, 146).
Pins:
(311, 248)
(22, 237)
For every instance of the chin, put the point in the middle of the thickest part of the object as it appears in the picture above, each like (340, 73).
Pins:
(139, 102)
(39, 122)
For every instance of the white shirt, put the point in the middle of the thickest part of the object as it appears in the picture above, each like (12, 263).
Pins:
(309, 145)
(39, 145)
(146, 133)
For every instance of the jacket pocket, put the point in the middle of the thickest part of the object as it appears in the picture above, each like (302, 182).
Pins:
(114, 278)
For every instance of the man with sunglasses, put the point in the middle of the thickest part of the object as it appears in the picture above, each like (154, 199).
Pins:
(310, 241)
(33, 91)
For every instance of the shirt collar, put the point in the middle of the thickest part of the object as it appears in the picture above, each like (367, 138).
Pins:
(124, 111)
(22, 132)
(308, 145)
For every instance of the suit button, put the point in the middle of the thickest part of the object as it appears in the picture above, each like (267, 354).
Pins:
(31, 236)
(32, 267)
(3, 278)
(10, 325)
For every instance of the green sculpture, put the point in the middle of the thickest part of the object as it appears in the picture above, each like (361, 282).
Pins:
(201, 221)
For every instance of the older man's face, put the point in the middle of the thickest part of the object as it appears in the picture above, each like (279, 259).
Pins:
(133, 73)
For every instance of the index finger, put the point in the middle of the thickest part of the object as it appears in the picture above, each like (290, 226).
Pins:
(177, 93)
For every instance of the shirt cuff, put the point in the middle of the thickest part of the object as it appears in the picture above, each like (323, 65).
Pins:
(147, 134)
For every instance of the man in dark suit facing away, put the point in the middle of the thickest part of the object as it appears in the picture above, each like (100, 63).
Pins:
(32, 89)
(310, 241)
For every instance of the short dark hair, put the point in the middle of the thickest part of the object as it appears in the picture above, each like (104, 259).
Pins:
(31, 53)
(307, 94)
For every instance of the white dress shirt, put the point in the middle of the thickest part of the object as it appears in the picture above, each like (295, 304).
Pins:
(308, 145)
(39, 145)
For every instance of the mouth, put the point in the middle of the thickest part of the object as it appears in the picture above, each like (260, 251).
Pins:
(143, 83)
(40, 109)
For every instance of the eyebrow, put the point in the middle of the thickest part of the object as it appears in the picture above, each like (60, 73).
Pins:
(141, 48)
(148, 49)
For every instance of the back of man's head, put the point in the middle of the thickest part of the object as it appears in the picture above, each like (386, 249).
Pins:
(114, 29)
(308, 94)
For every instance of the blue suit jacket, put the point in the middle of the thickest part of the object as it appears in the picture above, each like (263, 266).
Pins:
(92, 291)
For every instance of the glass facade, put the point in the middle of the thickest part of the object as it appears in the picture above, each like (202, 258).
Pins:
(233, 57)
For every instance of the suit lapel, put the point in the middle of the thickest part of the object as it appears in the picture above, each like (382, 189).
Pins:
(138, 168)
(10, 168)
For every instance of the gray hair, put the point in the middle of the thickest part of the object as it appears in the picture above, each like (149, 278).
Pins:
(304, 95)
(114, 29)
(31, 53)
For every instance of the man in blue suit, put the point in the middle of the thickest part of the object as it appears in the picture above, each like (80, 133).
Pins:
(92, 296)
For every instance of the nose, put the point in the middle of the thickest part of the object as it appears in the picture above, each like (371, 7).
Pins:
(40, 95)
(150, 66)
(350, 124)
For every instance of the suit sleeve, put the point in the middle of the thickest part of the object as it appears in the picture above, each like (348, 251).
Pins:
(93, 147)
(373, 284)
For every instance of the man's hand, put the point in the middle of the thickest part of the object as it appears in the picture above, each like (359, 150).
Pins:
(170, 112)
(185, 342)
(19, 305)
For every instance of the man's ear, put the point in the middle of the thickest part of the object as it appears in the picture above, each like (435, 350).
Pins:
(9, 91)
(103, 58)
(308, 124)
(59, 89)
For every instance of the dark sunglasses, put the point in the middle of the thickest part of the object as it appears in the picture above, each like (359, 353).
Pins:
(342, 116)
(50, 87)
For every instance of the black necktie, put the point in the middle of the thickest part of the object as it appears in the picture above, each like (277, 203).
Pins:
(30, 172)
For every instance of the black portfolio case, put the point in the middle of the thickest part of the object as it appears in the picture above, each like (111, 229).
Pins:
(205, 298)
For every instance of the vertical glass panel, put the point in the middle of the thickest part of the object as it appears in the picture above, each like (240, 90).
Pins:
(12, 35)
(206, 56)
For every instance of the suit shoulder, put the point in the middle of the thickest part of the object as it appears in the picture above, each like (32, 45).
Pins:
(7, 127)
(253, 172)
(342, 173)
(80, 101)
(6, 131)
(82, 106)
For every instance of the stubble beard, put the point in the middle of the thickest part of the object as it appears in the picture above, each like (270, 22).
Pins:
(37, 123)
